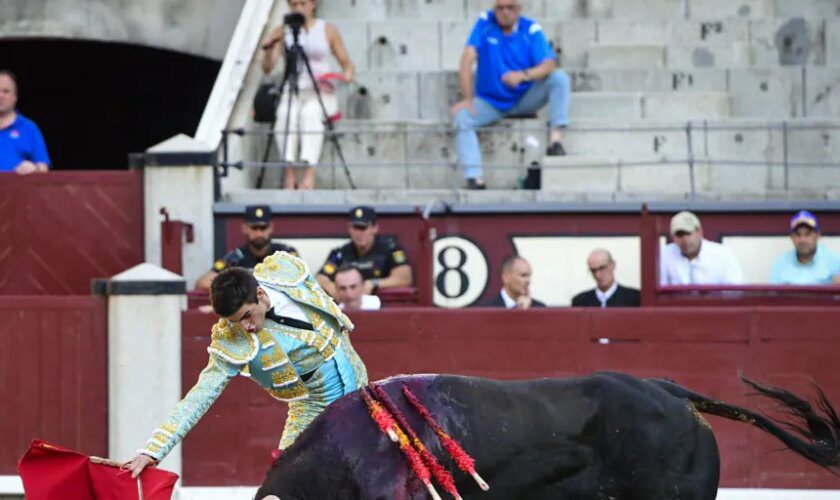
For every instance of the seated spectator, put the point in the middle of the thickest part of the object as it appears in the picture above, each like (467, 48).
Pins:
(607, 291)
(381, 260)
(22, 147)
(809, 263)
(517, 74)
(516, 286)
(257, 230)
(693, 260)
(349, 291)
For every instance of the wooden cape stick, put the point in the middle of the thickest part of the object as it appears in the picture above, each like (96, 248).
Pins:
(440, 474)
(465, 462)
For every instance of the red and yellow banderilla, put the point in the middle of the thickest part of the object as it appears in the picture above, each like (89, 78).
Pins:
(441, 475)
(465, 462)
(387, 425)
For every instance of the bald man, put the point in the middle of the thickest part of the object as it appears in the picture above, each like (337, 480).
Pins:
(607, 291)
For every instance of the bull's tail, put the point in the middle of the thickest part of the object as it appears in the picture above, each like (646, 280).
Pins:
(813, 434)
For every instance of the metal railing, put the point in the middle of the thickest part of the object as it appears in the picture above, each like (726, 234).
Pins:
(697, 148)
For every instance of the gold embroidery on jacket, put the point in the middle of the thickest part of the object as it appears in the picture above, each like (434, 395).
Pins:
(291, 393)
(273, 359)
(266, 340)
(285, 375)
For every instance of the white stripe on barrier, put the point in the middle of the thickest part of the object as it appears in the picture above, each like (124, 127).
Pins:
(215, 493)
(11, 485)
(776, 494)
(196, 493)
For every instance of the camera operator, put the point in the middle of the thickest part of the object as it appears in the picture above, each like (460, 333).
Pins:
(318, 39)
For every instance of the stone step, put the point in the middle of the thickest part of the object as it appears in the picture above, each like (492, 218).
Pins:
(649, 105)
(579, 9)
(429, 95)
(508, 197)
(648, 175)
(421, 154)
(625, 56)
(430, 43)
(407, 96)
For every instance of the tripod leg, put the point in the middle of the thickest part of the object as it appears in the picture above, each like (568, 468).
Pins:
(340, 153)
(289, 83)
(327, 123)
(283, 151)
(267, 151)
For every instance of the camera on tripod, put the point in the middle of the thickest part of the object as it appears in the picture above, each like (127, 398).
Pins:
(295, 21)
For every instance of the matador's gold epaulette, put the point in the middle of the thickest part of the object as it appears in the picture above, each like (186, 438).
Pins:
(232, 343)
(282, 269)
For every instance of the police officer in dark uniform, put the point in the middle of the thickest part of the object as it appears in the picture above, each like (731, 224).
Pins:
(380, 259)
(257, 230)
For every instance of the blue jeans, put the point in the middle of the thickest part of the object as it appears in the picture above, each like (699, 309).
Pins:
(554, 89)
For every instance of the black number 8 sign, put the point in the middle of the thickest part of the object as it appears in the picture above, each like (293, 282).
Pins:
(460, 272)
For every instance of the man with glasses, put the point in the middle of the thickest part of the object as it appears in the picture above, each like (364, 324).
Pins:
(516, 75)
(607, 291)
(380, 259)
(257, 229)
(277, 327)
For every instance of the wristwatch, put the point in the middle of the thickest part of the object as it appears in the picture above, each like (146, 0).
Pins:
(375, 282)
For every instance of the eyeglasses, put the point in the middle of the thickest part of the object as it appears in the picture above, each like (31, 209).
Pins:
(510, 7)
(258, 227)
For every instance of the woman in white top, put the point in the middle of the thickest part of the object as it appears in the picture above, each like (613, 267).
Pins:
(319, 40)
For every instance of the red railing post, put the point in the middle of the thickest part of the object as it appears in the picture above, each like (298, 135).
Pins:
(649, 252)
(424, 278)
(172, 236)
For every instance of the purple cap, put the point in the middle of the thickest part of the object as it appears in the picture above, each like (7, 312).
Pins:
(804, 218)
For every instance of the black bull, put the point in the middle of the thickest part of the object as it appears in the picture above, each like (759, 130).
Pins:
(603, 436)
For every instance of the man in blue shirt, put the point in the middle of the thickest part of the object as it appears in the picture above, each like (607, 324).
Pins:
(517, 74)
(809, 263)
(22, 147)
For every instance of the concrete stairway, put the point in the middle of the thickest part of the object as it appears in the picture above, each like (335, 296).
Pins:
(640, 70)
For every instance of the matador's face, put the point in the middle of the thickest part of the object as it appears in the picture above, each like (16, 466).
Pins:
(251, 316)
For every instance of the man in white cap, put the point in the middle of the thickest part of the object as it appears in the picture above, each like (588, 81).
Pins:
(694, 260)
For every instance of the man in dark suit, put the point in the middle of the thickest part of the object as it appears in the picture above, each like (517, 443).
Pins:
(516, 284)
(607, 293)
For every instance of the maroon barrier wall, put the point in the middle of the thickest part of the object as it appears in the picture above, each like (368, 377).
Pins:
(703, 349)
(62, 229)
(493, 233)
(53, 375)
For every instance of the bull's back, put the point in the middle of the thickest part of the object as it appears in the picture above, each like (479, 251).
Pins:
(547, 438)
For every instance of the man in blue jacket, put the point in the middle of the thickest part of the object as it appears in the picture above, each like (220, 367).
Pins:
(517, 74)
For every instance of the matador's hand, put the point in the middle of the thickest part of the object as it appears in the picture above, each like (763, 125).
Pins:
(138, 463)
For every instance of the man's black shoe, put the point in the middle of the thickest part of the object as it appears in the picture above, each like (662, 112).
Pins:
(555, 149)
(475, 184)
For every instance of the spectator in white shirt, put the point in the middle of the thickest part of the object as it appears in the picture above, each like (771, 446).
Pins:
(694, 260)
(350, 291)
